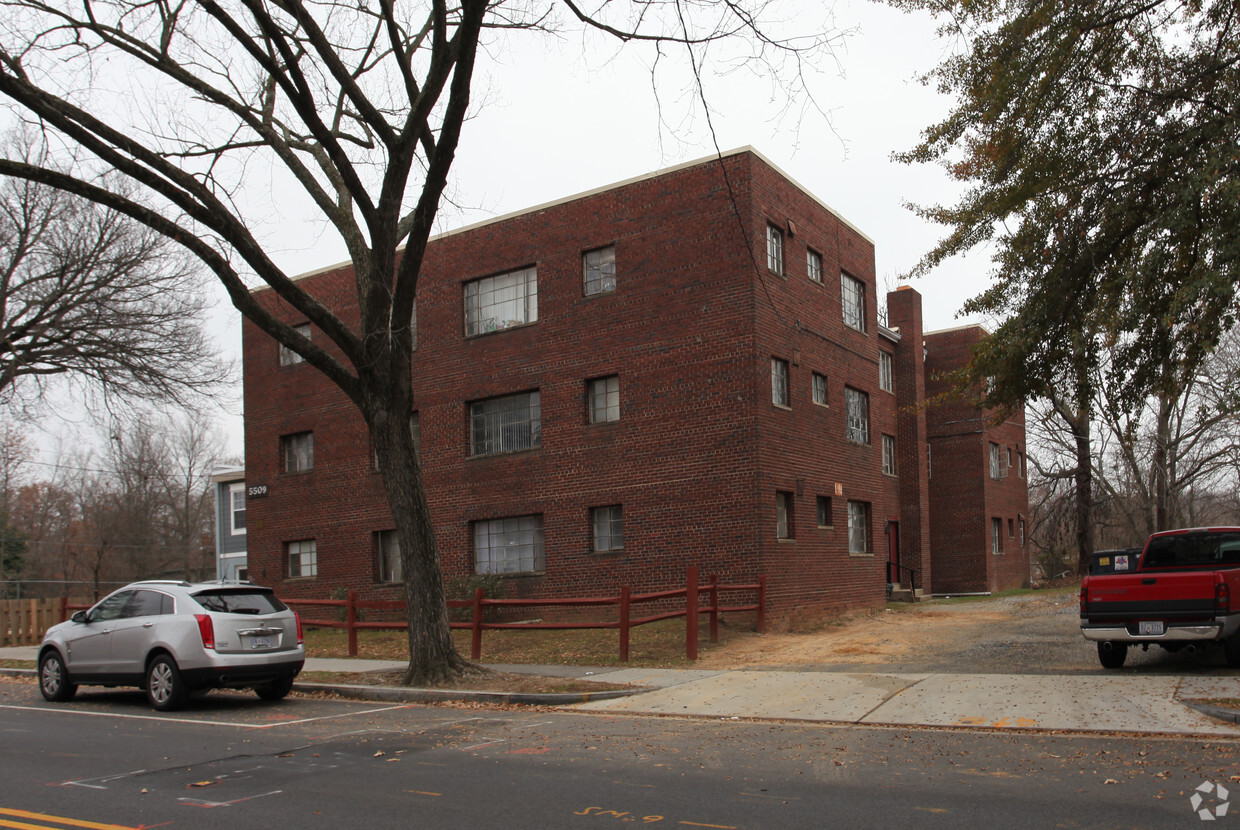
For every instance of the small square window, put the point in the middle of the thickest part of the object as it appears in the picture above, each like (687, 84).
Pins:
(820, 389)
(298, 452)
(775, 249)
(605, 400)
(608, 528)
(886, 376)
(825, 517)
(599, 270)
(889, 455)
(387, 549)
(303, 559)
(779, 382)
(813, 265)
(288, 357)
(784, 516)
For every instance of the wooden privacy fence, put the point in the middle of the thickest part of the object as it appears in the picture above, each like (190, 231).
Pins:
(625, 603)
(23, 621)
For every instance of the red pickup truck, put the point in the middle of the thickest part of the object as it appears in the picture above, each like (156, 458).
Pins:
(1182, 593)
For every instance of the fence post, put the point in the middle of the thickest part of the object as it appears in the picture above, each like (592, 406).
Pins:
(475, 645)
(624, 623)
(691, 613)
(714, 608)
(351, 620)
(761, 603)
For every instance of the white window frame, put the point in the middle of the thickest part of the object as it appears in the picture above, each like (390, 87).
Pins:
(852, 301)
(235, 490)
(780, 376)
(995, 469)
(605, 400)
(509, 545)
(502, 301)
(512, 423)
(996, 535)
(598, 271)
(608, 528)
(288, 357)
(886, 372)
(889, 455)
(857, 415)
(775, 249)
(297, 450)
(387, 552)
(858, 527)
(306, 552)
(813, 265)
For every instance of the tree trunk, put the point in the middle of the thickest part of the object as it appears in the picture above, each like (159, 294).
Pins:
(1083, 497)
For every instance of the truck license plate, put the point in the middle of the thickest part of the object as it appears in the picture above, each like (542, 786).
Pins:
(1150, 627)
(265, 642)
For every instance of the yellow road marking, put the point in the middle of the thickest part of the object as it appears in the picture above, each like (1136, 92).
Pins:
(72, 822)
(717, 826)
(421, 792)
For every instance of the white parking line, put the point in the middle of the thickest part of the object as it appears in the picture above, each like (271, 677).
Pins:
(205, 722)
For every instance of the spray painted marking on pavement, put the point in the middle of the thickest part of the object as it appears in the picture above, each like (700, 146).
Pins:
(1002, 723)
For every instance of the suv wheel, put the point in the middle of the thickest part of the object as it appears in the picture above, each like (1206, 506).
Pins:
(276, 690)
(164, 687)
(54, 678)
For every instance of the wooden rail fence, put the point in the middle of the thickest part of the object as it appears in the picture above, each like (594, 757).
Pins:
(23, 621)
(626, 601)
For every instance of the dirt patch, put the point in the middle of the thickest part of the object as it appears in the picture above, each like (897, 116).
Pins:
(472, 680)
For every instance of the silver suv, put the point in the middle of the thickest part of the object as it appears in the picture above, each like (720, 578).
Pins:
(174, 638)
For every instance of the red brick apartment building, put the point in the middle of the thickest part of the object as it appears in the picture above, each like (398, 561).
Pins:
(684, 368)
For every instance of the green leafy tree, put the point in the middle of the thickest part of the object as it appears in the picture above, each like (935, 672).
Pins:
(362, 106)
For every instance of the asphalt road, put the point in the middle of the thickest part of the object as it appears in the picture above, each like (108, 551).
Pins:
(229, 761)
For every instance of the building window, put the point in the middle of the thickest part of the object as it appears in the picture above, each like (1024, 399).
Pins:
(605, 400)
(509, 546)
(852, 294)
(857, 413)
(784, 516)
(858, 527)
(287, 356)
(995, 469)
(889, 455)
(303, 559)
(779, 382)
(1021, 522)
(813, 265)
(236, 509)
(825, 516)
(509, 424)
(608, 528)
(387, 548)
(501, 302)
(298, 452)
(599, 270)
(1011, 528)
(996, 535)
(820, 389)
(886, 377)
(775, 249)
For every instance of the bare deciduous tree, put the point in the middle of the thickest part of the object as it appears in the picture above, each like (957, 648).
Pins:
(362, 107)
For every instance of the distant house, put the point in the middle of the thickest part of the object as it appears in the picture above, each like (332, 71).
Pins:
(231, 558)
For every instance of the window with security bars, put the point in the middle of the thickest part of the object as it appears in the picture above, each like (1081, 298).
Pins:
(886, 375)
(599, 270)
(303, 559)
(605, 399)
(852, 296)
(608, 528)
(387, 548)
(857, 414)
(858, 527)
(501, 302)
(813, 265)
(509, 546)
(298, 452)
(889, 455)
(775, 249)
(508, 424)
(779, 382)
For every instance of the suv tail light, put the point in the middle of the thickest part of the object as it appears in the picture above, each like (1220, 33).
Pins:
(206, 630)
(1222, 597)
(300, 639)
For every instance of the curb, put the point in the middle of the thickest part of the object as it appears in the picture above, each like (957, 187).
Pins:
(396, 694)
(1216, 712)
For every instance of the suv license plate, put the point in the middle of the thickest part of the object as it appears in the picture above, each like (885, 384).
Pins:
(265, 642)
(1150, 628)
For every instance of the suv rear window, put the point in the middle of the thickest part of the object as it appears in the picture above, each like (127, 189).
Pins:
(240, 601)
(1208, 549)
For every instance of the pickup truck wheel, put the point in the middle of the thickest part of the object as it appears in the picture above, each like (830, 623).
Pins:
(1231, 649)
(1112, 655)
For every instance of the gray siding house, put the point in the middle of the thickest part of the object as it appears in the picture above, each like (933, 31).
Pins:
(231, 562)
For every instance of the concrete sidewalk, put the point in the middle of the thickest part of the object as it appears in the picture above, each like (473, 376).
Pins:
(1121, 702)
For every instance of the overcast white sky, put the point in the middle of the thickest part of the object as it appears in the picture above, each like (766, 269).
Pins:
(556, 117)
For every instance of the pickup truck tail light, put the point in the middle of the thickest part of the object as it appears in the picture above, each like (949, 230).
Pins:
(1222, 597)
(1082, 599)
(206, 630)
